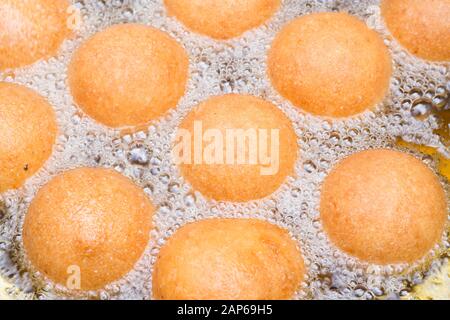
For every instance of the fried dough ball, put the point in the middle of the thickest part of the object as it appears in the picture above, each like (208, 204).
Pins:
(93, 219)
(228, 259)
(128, 75)
(383, 207)
(31, 30)
(27, 134)
(222, 19)
(422, 27)
(225, 171)
(330, 64)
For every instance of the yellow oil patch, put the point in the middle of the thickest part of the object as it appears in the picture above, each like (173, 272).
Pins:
(436, 287)
(442, 161)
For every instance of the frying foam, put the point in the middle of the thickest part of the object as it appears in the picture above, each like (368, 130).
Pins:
(237, 66)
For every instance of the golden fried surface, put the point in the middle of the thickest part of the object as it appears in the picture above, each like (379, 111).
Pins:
(94, 219)
(223, 19)
(241, 181)
(383, 207)
(128, 75)
(330, 64)
(228, 259)
(422, 27)
(31, 30)
(27, 134)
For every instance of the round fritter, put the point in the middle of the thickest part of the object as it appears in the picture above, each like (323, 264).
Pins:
(384, 207)
(128, 75)
(330, 64)
(94, 221)
(228, 259)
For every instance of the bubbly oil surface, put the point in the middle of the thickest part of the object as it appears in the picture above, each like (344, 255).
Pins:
(419, 93)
